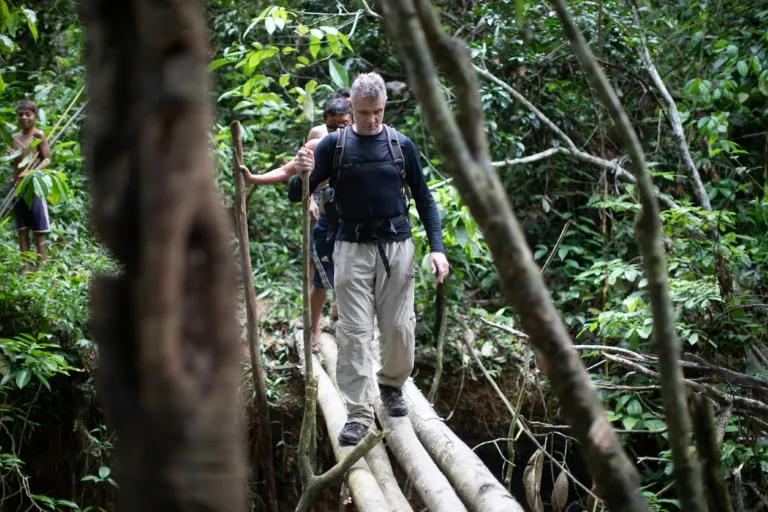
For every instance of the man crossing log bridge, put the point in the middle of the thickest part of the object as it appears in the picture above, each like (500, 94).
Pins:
(373, 171)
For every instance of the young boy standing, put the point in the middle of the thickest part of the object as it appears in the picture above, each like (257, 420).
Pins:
(32, 217)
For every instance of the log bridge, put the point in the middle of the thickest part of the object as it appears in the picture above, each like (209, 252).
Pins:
(444, 471)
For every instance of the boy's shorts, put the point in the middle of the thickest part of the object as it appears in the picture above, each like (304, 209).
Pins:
(34, 218)
(324, 250)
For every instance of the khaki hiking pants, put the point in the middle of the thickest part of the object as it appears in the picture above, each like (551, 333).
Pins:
(362, 291)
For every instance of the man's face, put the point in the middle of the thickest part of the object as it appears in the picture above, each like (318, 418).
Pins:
(368, 114)
(25, 118)
(333, 123)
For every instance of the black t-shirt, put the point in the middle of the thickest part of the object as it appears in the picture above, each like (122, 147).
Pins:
(367, 191)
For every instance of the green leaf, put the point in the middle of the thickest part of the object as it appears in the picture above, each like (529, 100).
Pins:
(634, 408)
(317, 34)
(248, 87)
(311, 86)
(339, 74)
(39, 186)
(284, 79)
(31, 24)
(216, 64)
(8, 158)
(629, 422)
(68, 504)
(742, 97)
(344, 40)
(104, 472)
(308, 107)
(742, 68)
(330, 30)
(762, 82)
(302, 29)
(269, 23)
(314, 47)
(6, 44)
(693, 338)
(22, 378)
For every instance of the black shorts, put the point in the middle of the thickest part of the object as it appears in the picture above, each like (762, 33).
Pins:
(34, 217)
(324, 251)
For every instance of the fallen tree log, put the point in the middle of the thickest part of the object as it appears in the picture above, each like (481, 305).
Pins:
(363, 485)
(429, 481)
(365, 490)
(476, 485)
(377, 458)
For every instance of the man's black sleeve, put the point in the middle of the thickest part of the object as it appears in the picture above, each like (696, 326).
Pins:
(320, 173)
(425, 203)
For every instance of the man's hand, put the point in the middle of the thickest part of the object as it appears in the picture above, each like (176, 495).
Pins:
(305, 160)
(439, 264)
(314, 211)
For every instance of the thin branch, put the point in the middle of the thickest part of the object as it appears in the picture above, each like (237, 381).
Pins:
(674, 119)
(740, 402)
(556, 247)
(649, 234)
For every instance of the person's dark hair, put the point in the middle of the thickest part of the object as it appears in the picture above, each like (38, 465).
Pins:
(344, 92)
(337, 107)
(27, 105)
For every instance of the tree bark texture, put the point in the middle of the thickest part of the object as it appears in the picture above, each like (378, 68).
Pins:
(478, 488)
(264, 450)
(165, 324)
(431, 484)
(465, 156)
(709, 454)
(649, 238)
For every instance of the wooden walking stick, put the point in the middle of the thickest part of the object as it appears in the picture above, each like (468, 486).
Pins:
(264, 444)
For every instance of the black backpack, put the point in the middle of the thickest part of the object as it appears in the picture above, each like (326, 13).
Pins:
(398, 158)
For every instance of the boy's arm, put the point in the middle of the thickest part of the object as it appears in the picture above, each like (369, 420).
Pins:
(44, 151)
(279, 175)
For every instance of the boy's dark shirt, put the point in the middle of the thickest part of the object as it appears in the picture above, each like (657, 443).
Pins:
(365, 193)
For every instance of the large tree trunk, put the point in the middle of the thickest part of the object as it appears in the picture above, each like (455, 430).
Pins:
(476, 485)
(168, 340)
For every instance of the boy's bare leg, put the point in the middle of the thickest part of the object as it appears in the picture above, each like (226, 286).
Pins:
(24, 247)
(316, 302)
(40, 242)
(334, 308)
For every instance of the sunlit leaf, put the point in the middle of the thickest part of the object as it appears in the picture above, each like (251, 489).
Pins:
(338, 73)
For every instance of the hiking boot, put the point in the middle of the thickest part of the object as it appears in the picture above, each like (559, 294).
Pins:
(352, 433)
(392, 398)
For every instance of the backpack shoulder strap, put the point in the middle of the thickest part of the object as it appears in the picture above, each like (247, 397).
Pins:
(398, 157)
(338, 155)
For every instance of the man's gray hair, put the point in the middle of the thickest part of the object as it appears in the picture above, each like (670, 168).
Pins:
(370, 86)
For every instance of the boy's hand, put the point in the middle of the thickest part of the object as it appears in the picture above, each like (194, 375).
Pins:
(305, 160)
(314, 211)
